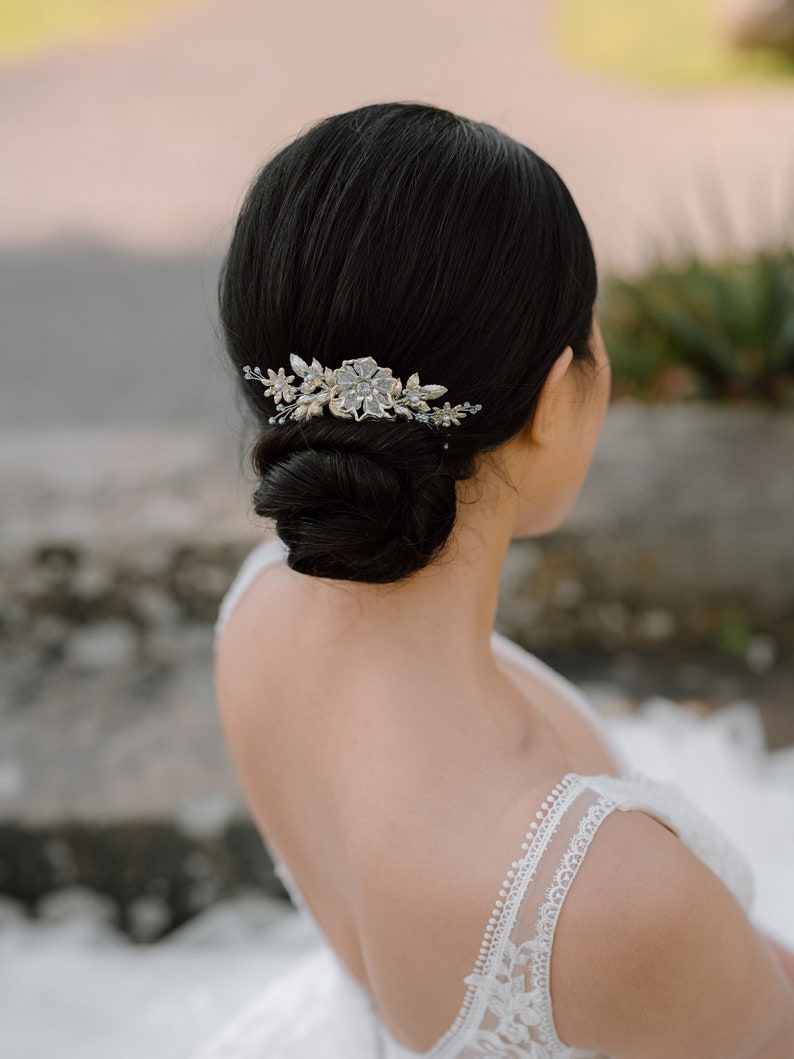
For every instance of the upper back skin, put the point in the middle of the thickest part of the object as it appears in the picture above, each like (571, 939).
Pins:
(376, 809)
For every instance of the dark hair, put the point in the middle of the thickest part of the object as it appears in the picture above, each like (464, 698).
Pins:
(435, 244)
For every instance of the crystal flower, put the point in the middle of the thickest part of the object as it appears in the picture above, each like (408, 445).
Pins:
(277, 384)
(362, 389)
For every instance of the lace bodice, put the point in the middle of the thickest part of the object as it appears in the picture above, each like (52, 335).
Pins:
(506, 1011)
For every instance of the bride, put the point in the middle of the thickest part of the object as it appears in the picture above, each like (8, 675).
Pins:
(409, 304)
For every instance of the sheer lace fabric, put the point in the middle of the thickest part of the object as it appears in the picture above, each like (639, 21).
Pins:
(506, 1009)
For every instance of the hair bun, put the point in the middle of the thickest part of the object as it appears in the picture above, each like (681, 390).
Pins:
(373, 508)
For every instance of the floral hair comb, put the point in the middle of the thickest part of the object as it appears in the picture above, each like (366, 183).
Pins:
(359, 389)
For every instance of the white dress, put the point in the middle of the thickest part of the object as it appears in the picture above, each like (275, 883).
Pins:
(318, 1011)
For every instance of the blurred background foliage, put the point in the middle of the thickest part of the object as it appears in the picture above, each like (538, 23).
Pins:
(719, 330)
(679, 42)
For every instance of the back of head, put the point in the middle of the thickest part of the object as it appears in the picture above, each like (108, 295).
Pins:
(436, 245)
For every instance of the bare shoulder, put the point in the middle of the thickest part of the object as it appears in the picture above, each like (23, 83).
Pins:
(655, 959)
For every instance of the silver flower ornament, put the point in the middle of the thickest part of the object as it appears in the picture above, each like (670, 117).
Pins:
(359, 389)
(277, 383)
(363, 385)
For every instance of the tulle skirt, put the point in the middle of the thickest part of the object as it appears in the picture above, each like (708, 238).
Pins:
(721, 762)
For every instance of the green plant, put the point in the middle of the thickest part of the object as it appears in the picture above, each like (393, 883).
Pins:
(734, 632)
(722, 331)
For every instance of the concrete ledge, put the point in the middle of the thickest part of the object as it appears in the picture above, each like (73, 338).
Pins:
(112, 540)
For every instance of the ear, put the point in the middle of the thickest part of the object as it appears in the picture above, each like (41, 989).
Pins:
(544, 419)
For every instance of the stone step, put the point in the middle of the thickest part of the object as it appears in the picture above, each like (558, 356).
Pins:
(671, 577)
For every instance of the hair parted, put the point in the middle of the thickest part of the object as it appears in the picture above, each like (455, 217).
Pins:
(435, 244)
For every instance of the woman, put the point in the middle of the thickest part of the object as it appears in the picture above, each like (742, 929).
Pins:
(409, 303)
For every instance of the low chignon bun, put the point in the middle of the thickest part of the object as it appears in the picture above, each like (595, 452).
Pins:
(373, 507)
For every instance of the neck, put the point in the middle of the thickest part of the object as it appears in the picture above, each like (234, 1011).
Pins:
(428, 636)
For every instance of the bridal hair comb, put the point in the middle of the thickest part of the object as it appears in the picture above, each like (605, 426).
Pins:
(360, 389)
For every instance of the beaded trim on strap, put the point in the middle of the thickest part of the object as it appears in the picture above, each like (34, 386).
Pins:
(504, 912)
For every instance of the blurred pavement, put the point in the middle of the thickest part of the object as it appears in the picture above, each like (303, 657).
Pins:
(126, 163)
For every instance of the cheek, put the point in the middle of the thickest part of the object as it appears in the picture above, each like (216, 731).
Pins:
(593, 413)
(561, 489)
(566, 471)
(603, 387)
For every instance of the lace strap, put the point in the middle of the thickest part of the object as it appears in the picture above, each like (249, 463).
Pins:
(507, 1009)
(540, 945)
(283, 873)
(260, 557)
(507, 1003)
